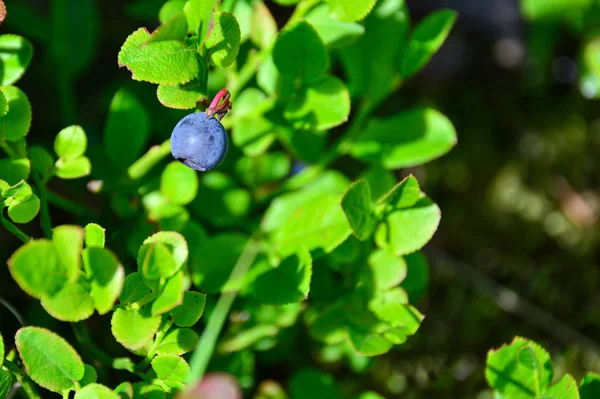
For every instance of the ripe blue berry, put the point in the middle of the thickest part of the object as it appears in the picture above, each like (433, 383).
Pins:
(199, 142)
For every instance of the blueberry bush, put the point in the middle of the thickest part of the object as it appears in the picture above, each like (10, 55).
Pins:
(246, 219)
(278, 241)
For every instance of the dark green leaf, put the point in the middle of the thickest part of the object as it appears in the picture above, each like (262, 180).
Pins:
(590, 386)
(49, 360)
(289, 282)
(358, 208)
(211, 271)
(417, 278)
(6, 382)
(189, 312)
(89, 376)
(426, 39)
(300, 53)
(134, 289)
(310, 384)
(127, 128)
(41, 160)
(14, 170)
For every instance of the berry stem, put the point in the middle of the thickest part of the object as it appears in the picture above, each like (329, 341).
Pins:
(219, 109)
(218, 97)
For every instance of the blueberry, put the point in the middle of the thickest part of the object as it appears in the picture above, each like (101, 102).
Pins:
(199, 142)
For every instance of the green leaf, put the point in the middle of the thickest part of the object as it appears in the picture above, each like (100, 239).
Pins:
(175, 28)
(41, 160)
(566, 388)
(125, 390)
(6, 382)
(358, 208)
(68, 241)
(70, 142)
(417, 279)
(178, 341)
(15, 53)
(133, 328)
(220, 253)
(155, 259)
(72, 303)
(267, 75)
(134, 288)
(371, 63)
(220, 200)
(529, 359)
(264, 168)
(73, 52)
(388, 270)
(168, 63)
(147, 390)
(289, 282)
(370, 395)
(253, 134)
(24, 212)
(49, 360)
(263, 26)
(552, 10)
(320, 106)
(14, 170)
(284, 206)
(189, 312)
(73, 168)
(320, 223)
(407, 230)
(176, 246)
(127, 128)
(333, 32)
(351, 10)
(171, 369)
(106, 275)
(426, 39)
(96, 391)
(310, 383)
(198, 14)
(506, 374)
(223, 41)
(94, 236)
(3, 105)
(402, 195)
(169, 8)
(183, 96)
(37, 269)
(89, 376)
(170, 297)
(590, 386)
(300, 53)
(409, 138)
(179, 183)
(15, 124)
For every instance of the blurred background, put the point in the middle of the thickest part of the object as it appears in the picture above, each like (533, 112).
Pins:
(517, 248)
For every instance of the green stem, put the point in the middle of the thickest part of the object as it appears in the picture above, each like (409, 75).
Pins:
(68, 205)
(154, 155)
(7, 149)
(206, 347)
(157, 341)
(23, 378)
(8, 225)
(45, 213)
